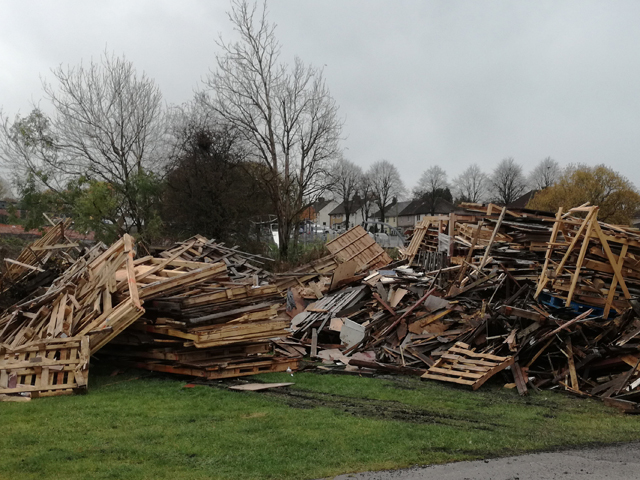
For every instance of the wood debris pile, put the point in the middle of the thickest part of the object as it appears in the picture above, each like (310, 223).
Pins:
(196, 318)
(533, 299)
(40, 262)
(240, 265)
(540, 301)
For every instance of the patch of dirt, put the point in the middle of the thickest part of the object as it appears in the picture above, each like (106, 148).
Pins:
(377, 409)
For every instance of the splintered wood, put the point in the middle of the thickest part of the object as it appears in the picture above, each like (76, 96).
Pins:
(463, 366)
(550, 296)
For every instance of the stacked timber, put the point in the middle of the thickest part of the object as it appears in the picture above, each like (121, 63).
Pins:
(46, 342)
(590, 264)
(217, 324)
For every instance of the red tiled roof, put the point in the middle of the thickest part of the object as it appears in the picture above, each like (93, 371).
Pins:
(19, 230)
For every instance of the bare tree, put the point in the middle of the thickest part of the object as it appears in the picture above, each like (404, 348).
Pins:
(545, 174)
(29, 147)
(5, 189)
(107, 126)
(365, 191)
(507, 181)
(345, 181)
(284, 113)
(385, 185)
(431, 185)
(471, 185)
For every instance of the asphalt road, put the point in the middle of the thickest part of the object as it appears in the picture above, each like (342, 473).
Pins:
(620, 462)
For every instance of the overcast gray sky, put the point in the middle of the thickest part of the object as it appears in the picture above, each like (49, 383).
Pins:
(418, 82)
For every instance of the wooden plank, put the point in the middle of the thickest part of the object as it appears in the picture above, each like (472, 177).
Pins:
(542, 282)
(521, 382)
(583, 252)
(454, 372)
(572, 367)
(314, 343)
(131, 274)
(574, 241)
(447, 379)
(256, 387)
(612, 261)
(492, 239)
(15, 262)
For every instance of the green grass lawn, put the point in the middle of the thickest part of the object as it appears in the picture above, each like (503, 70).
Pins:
(152, 427)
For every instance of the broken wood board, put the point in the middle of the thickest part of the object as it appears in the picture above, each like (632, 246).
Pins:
(256, 387)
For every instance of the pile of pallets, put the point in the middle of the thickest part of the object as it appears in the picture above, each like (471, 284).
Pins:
(196, 319)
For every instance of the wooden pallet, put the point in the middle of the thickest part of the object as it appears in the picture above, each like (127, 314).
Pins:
(416, 241)
(225, 370)
(358, 246)
(57, 367)
(465, 367)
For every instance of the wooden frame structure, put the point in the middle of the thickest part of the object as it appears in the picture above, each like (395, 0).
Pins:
(586, 235)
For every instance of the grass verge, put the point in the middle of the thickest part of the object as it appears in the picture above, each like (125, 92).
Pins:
(152, 427)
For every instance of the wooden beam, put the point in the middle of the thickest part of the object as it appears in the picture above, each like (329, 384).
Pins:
(612, 260)
(493, 237)
(614, 283)
(583, 252)
(574, 241)
(542, 282)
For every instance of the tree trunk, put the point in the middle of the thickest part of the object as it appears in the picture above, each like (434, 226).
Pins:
(284, 244)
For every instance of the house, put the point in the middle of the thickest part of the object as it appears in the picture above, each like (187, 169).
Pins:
(523, 200)
(356, 217)
(391, 214)
(318, 212)
(322, 209)
(418, 209)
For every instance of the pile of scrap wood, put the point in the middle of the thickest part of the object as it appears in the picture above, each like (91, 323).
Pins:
(197, 319)
(216, 327)
(45, 342)
(240, 265)
(537, 300)
(531, 299)
(40, 262)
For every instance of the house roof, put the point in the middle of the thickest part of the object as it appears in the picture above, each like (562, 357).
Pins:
(422, 207)
(19, 230)
(522, 201)
(320, 204)
(356, 204)
(392, 210)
